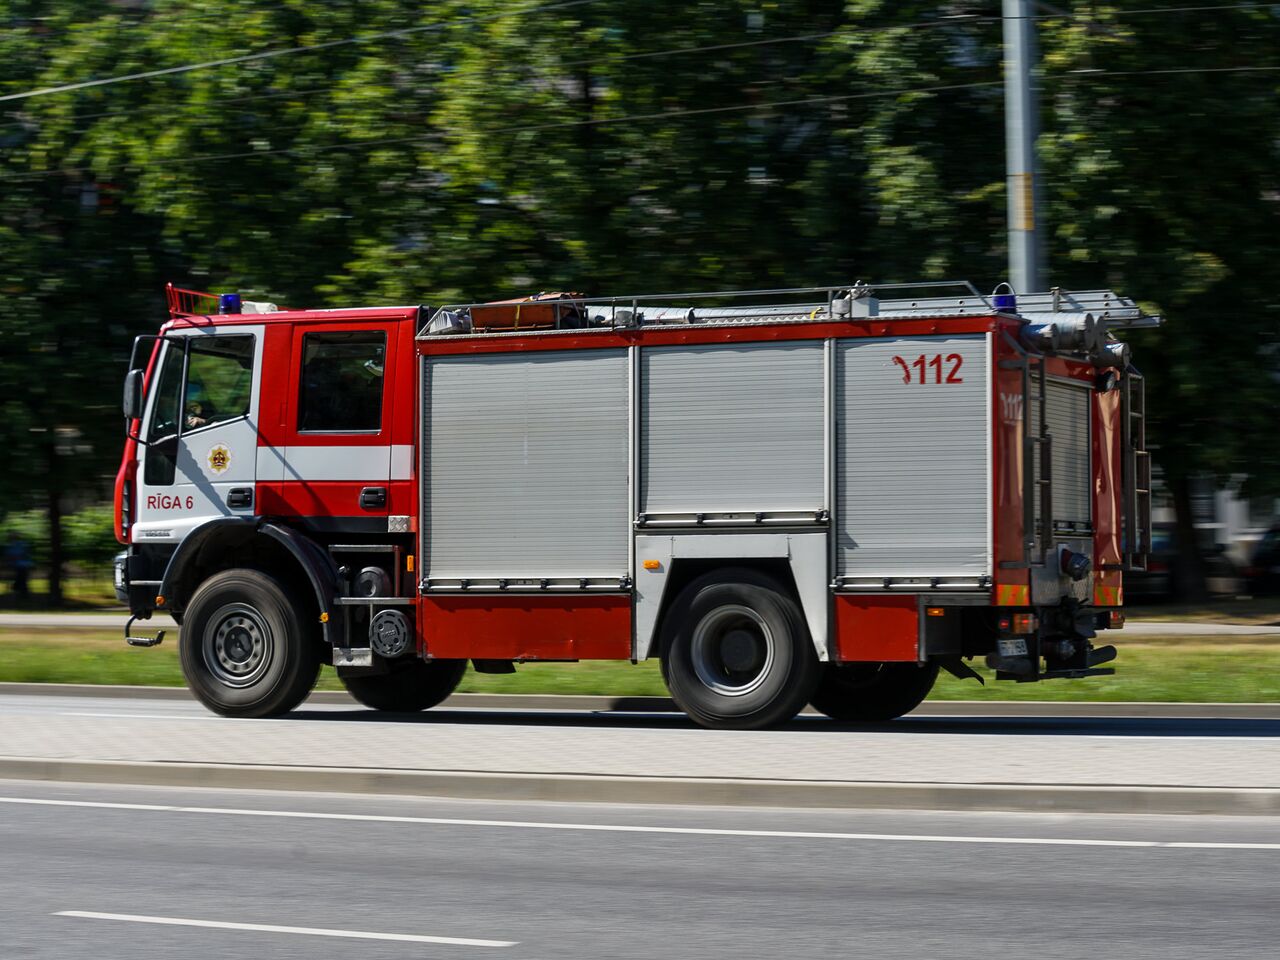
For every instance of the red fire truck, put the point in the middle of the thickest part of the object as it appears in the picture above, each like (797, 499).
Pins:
(819, 495)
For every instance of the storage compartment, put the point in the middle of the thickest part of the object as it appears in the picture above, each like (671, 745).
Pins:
(732, 428)
(1068, 420)
(525, 472)
(913, 452)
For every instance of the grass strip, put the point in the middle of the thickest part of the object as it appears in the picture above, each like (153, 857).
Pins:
(1171, 671)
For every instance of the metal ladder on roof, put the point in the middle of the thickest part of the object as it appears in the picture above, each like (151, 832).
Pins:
(1137, 471)
(1041, 473)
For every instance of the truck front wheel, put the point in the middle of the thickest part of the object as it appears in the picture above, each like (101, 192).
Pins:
(872, 692)
(736, 651)
(410, 686)
(244, 647)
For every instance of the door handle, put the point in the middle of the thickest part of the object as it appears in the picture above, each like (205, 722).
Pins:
(240, 497)
(373, 498)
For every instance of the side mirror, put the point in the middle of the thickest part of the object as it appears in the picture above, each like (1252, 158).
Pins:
(133, 395)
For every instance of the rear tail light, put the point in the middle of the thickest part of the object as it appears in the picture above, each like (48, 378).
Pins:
(1025, 623)
(1115, 619)
(1019, 624)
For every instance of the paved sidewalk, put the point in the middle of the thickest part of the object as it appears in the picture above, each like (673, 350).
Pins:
(1003, 763)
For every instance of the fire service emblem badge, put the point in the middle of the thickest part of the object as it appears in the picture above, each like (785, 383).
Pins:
(219, 459)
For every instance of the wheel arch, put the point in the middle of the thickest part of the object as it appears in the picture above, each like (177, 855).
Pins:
(285, 553)
(798, 563)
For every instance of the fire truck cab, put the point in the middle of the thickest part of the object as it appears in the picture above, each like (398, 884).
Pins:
(810, 496)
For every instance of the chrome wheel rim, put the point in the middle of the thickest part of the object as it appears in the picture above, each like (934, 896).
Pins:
(237, 645)
(732, 650)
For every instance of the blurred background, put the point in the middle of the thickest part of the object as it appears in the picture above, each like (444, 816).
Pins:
(323, 154)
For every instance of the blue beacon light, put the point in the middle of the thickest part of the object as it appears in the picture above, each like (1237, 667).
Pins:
(228, 303)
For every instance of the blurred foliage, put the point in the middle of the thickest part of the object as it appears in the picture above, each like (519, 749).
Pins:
(90, 542)
(88, 539)
(601, 146)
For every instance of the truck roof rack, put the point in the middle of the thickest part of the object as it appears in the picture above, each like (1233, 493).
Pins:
(797, 304)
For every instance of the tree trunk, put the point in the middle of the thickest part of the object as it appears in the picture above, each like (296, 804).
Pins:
(1187, 574)
(53, 495)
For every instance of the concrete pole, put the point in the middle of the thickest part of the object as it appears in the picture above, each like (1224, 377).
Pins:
(1021, 124)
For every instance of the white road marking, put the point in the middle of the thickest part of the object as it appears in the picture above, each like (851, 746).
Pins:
(277, 928)
(166, 716)
(632, 828)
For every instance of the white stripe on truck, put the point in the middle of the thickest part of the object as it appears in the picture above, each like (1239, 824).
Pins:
(336, 462)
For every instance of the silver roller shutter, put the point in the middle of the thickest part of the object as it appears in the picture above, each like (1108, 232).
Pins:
(1067, 419)
(913, 459)
(732, 428)
(526, 465)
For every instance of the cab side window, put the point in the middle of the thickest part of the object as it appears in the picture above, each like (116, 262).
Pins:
(341, 383)
(219, 380)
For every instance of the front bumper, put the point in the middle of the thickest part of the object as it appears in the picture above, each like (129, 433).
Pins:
(136, 577)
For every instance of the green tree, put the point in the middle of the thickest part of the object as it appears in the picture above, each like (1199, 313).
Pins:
(1163, 169)
(492, 149)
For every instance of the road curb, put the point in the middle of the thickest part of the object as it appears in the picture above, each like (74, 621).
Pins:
(609, 704)
(658, 790)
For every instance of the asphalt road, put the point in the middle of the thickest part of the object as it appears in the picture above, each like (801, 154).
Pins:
(138, 873)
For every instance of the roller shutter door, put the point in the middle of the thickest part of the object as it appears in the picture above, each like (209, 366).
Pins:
(525, 466)
(1067, 419)
(913, 458)
(732, 428)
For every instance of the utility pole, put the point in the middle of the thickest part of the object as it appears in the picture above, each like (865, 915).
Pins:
(1021, 125)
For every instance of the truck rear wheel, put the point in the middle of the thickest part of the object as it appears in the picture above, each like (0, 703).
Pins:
(872, 692)
(412, 685)
(736, 651)
(244, 648)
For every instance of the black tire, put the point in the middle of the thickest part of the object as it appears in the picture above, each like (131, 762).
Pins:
(872, 692)
(412, 685)
(736, 651)
(245, 648)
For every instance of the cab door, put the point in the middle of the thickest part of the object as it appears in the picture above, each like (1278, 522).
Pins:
(331, 470)
(199, 462)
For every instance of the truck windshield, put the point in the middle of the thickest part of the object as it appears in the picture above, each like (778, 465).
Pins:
(164, 414)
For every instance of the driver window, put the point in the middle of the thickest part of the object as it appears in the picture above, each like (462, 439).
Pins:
(219, 380)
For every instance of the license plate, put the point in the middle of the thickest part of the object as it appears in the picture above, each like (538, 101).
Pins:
(1015, 647)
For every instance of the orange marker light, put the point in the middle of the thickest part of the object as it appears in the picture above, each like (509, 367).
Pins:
(324, 617)
(935, 612)
(652, 565)
(159, 601)
(408, 563)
